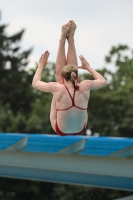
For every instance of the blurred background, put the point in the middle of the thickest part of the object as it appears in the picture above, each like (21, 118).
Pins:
(104, 36)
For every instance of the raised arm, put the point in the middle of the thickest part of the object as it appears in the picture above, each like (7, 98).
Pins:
(99, 81)
(37, 83)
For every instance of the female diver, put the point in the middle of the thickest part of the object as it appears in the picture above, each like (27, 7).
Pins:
(68, 114)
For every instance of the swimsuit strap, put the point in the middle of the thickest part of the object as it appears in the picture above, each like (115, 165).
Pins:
(72, 98)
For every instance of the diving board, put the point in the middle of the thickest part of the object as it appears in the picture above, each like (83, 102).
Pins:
(82, 160)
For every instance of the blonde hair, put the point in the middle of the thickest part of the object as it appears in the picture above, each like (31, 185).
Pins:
(70, 73)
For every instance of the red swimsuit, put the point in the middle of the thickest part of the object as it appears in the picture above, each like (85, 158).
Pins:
(58, 131)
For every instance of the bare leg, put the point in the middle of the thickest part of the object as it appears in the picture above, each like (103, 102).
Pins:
(60, 63)
(71, 55)
(61, 58)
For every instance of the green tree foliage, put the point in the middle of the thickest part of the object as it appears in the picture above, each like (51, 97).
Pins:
(15, 91)
(110, 110)
(14, 80)
(122, 89)
(21, 105)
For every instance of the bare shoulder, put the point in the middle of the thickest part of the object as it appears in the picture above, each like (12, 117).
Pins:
(58, 86)
(47, 87)
(93, 84)
(84, 85)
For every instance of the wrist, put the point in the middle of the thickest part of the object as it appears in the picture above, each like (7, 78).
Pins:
(88, 68)
(40, 66)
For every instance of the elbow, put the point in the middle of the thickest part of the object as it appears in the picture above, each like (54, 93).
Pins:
(33, 84)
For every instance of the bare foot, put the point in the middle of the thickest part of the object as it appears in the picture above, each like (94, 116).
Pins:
(65, 31)
(72, 30)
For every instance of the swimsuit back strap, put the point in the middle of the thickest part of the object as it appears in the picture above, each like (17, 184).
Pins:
(72, 98)
(64, 108)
